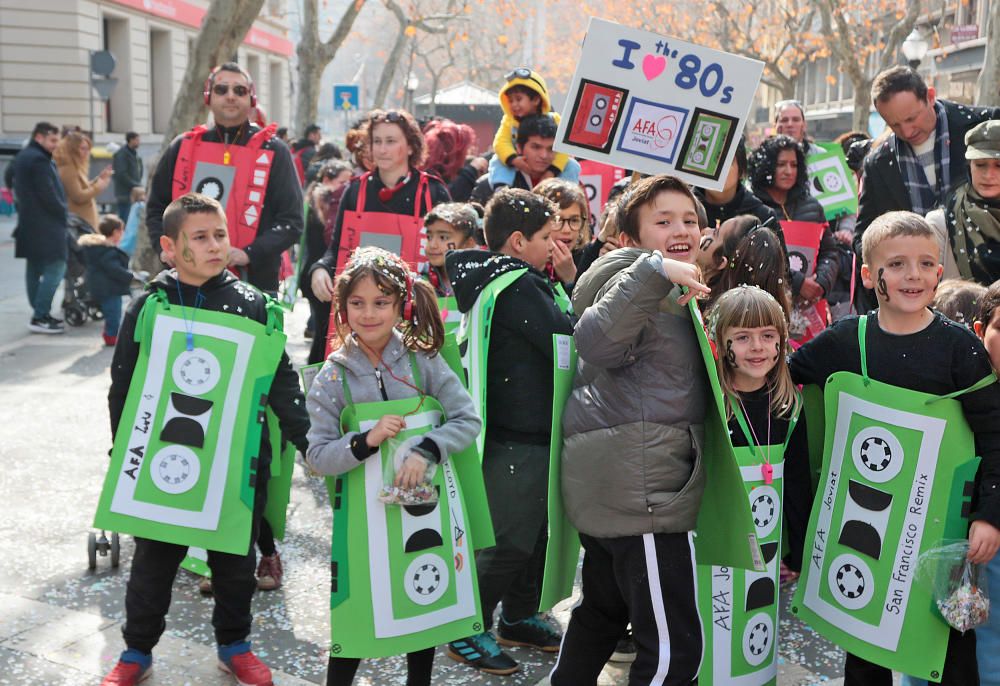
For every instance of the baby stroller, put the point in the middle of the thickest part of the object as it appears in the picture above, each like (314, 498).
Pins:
(77, 305)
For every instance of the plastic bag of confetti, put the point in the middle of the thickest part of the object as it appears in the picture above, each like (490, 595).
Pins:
(400, 458)
(959, 586)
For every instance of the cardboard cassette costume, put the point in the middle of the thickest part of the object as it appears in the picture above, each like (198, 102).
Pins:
(738, 544)
(473, 338)
(898, 471)
(185, 457)
(235, 175)
(403, 578)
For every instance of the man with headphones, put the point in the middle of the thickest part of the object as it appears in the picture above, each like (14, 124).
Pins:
(248, 169)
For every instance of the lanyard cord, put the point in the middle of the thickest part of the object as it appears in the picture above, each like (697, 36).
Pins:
(767, 456)
(199, 299)
(402, 381)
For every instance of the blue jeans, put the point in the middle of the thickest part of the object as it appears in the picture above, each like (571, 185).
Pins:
(111, 308)
(42, 279)
(123, 210)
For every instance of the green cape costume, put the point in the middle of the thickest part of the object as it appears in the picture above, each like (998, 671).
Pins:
(184, 461)
(898, 467)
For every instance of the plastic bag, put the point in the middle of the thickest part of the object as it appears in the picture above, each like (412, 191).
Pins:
(958, 586)
(395, 452)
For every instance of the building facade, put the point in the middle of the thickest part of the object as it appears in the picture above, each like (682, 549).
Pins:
(955, 32)
(45, 48)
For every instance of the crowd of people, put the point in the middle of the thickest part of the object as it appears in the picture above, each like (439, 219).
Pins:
(415, 230)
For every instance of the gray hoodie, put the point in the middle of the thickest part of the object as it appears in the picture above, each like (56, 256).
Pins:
(633, 426)
(330, 451)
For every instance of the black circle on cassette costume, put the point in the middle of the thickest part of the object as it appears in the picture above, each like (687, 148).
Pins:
(212, 187)
(877, 454)
(196, 372)
(426, 579)
(175, 469)
(797, 262)
(764, 509)
(851, 581)
(758, 636)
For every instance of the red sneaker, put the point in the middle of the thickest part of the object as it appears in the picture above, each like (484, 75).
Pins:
(126, 674)
(109, 341)
(248, 669)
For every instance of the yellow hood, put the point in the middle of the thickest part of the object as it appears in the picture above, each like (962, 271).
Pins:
(534, 82)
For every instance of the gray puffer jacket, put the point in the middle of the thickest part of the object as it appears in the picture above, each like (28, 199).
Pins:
(633, 427)
(330, 451)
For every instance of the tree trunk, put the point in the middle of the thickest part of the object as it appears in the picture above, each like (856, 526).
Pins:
(988, 85)
(389, 71)
(862, 106)
(314, 56)
(224, 27)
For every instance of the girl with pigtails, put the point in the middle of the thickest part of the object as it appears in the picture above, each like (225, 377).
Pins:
(392, 423)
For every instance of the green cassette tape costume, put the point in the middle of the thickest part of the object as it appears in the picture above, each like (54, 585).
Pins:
(725, 534)
(184, 461)
(473, 337)
(450, 313)
(404, 577)
(739, 607)
(898, 466)
(831, 181)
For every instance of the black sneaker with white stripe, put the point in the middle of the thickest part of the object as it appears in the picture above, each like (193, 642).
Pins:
(45, 325)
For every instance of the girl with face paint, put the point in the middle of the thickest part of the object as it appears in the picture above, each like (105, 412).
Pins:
(750, 332)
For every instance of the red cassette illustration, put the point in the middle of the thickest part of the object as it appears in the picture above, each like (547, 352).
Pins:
(595, 116)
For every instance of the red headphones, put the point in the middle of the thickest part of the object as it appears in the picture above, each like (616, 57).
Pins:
(385, 194)
(210, 81)
(407, 300)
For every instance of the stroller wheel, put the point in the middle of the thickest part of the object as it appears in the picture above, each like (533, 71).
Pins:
(92, 550)
(116, 549)
(75, 315)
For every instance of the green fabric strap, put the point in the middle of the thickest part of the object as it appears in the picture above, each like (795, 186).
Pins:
(862, 328)
(987, 380)
(745, 426)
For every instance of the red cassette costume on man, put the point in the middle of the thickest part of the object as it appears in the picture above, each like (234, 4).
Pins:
(243, 166)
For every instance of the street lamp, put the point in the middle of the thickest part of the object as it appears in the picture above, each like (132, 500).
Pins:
(914, 48)
(411, 86)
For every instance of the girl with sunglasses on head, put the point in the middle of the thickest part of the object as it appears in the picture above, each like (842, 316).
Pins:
(382, 381)
(384, 206)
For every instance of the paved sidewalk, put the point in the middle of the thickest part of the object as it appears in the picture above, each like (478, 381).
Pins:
(60, 623)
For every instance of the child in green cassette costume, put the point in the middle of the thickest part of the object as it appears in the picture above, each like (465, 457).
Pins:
(510, 315)
(739, 608)
(910, 400)
(209, 311)
(403, 576)
(449, 226)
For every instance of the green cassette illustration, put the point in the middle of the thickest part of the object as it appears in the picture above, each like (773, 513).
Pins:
(707, 143)
(184, 462)
(898, 468)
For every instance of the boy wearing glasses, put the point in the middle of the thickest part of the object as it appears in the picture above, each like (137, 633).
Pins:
(247, 169)
(524, 95)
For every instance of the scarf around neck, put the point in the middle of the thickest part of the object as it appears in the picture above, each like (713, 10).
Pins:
(974, 232)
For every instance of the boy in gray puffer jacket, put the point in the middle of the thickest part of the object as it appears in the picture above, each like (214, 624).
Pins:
(632, 477)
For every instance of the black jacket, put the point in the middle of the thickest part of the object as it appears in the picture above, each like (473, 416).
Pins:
(41, 206)
(483, 190)
(801, 206)
(223, 292)
(882, 187)
(280, 224)
(519, 371)
(462, 185)
(940, 359)
(744, 202)
(107, 267)
(401, 202)
(127, 166)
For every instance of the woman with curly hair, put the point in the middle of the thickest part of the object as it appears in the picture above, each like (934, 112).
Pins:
(778, 177)
(395, 193)
(449, 156)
